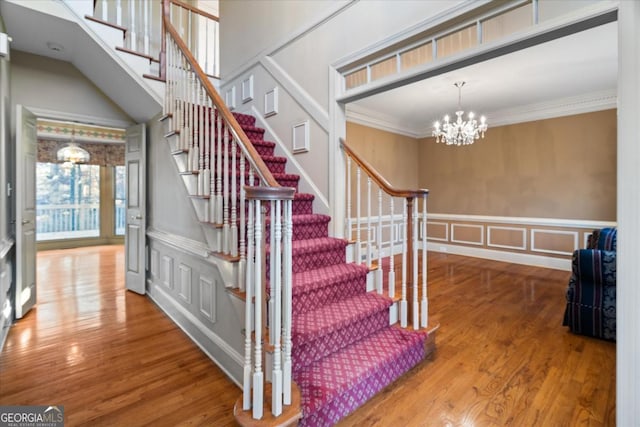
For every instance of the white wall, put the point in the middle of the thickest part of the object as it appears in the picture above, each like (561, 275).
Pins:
(169, 207)
(54, 85)
(292, 45)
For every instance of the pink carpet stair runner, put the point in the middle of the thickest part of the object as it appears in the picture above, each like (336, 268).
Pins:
(344, 350)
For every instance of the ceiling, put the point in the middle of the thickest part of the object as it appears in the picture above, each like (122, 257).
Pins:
(54, 29)
(576, 73)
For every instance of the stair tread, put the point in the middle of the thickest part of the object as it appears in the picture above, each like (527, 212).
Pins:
(328, 378)
(325, 276)
(328, 318)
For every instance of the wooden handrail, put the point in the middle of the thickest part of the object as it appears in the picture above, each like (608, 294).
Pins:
(247, 147)
(379, 179)
(195, 10)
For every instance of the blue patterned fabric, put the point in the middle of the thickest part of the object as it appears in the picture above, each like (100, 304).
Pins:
(591, 294)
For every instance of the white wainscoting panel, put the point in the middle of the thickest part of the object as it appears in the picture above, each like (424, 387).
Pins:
(184, 289)
(469, 242)
(207, 299)
(439, 224)
(534, 248)
(522, 231)
(154, 262)
(167, 271)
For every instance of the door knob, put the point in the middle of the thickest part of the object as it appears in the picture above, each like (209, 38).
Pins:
(25, 221)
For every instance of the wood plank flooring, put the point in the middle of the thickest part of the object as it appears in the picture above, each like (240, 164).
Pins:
(112, 358)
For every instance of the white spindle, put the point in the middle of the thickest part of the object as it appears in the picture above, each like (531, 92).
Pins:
(349, 223)
(403, 301)
(147, 26)
(272, 266)
(234, 200)
(246, 384)
(200, 134)
(379, 274)
(369, 242)
(218, 170)
(242, 243)
(119, 12)
(424, 309)
(358, 218)
(225, 194)
(207, 145)
(414, 238)
(276, 296)
(392, 237)
(258, 385)
(287, 299)
(105, 10)
(133, 35)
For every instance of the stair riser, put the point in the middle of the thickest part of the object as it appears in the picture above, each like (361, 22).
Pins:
(308, 261)
(319, 297)
(305, 353)
(274, 166)
(304, 231)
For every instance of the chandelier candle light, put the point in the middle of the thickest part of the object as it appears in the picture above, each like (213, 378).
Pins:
(460, 132)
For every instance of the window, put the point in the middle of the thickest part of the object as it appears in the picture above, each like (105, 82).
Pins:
(119, 200)
(67, 200)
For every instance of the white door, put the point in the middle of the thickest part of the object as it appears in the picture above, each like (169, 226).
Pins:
(25, 193)
(135, 235)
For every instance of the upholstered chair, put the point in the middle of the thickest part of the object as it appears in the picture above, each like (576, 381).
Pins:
(591, 294)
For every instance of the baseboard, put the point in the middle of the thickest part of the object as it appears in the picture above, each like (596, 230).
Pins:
(223, 355)
(516, 258)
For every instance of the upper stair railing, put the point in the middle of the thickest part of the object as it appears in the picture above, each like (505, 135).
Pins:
(142, 20)
(383, 234)
(242, 196)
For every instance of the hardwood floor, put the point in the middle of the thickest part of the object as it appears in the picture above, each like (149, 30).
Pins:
(112, 358)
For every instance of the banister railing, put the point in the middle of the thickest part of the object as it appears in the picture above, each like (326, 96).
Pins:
(240, 192)
(143, 21)
(410, 230)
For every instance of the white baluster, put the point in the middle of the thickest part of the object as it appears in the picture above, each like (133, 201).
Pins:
(242, 243)
(392, 237)
(147, 30)
(234, 200)
(105, 10)
(414, 237)
(133, 35)
(348, 232)
(246, 384)
(369, 240)
(424, 309)
(403, 301)
(358, 218)
(287, 297)
(225, 193)
(219, 171)
(276, 296)
(201, 176)
(119, 12)
(206, 129)
(258, 384)
(379, 271)
(272, 265)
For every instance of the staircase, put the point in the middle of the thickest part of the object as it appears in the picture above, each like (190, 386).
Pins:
(344, 348)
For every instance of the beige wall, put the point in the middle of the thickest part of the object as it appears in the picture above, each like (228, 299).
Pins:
(558, 168)
(394, 156)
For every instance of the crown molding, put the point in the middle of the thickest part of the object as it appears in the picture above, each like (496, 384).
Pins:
(587, 103)
(370, 118)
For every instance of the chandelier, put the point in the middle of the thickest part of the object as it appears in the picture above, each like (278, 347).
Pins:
(73, 153)
(460, 132)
